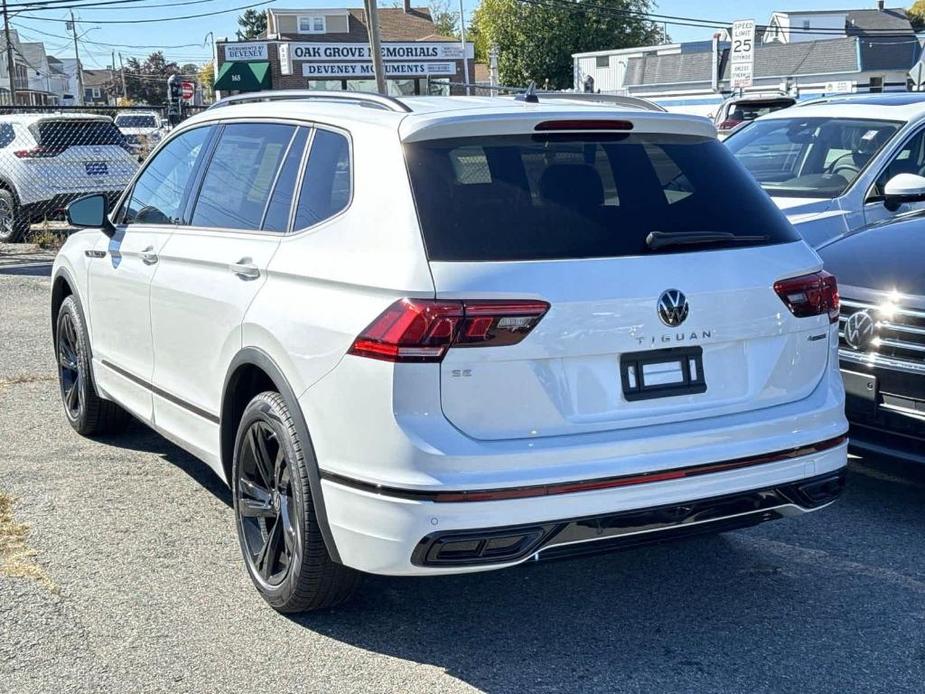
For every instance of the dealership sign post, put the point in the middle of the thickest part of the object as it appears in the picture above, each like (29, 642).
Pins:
(742, 62)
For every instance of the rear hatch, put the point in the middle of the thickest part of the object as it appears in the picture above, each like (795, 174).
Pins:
(77, 155)
(642, 328)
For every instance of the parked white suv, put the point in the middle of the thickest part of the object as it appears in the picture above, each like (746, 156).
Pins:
(142, 130)
(49, 159)
(442, 335)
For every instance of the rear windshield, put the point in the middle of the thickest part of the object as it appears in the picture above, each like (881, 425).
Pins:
(809, 157)
(558, 196)
(64, 133)
(136, 121)
(750, 110)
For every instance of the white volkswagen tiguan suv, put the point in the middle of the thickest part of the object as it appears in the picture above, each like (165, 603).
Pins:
(442, 335)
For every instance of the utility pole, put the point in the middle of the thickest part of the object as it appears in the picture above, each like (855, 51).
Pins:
(80, 72)
(122, 72)
(462, 34)
(9, 53)
(375, 46)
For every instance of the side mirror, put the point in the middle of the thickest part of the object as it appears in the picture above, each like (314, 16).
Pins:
(91, 211)
(903, 188)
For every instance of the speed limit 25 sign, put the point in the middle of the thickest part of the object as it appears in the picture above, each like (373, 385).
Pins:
(742, 53)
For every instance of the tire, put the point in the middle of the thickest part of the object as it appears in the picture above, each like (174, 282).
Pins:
(281, 542)
(86, 411)
(13, 224)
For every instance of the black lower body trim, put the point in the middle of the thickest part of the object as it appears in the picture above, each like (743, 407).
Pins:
(625, 529)
(189, 407)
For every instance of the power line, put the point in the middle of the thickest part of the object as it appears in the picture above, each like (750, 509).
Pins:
(109, 5)
(118, 45)
(158, 19)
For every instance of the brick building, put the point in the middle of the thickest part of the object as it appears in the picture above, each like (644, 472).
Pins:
(329, 49)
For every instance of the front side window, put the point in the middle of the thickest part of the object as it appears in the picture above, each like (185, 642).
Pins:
(326, 184)
(582, 195)
(160, 190)
(909, 159)
(809, 157)
(240, 175)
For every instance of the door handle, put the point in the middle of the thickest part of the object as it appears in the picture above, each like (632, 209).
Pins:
(245, 269)
(148, 256)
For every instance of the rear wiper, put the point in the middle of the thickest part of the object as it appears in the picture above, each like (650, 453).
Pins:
(657, 240)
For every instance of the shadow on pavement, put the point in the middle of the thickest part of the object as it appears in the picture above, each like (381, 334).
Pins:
(797, 604)
(139, 437)
(27, 269)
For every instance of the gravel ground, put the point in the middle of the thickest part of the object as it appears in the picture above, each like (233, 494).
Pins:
(149, 592)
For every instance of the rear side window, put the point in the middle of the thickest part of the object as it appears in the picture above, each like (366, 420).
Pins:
(326, 184)
(560, 196)
(6, 134)
(61, 134)
(241, 174)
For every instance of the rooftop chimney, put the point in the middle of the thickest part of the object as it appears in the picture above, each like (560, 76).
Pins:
(408, 6)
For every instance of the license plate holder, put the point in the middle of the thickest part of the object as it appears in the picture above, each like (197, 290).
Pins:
(862, 390)
(662, 373)
(96, 168)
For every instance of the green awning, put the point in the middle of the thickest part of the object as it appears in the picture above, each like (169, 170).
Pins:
(243, 77)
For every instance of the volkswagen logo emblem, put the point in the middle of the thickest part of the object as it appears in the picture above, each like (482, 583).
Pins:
(859, 330)
(672, 307)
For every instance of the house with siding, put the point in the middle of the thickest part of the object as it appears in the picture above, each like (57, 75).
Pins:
(806, 54)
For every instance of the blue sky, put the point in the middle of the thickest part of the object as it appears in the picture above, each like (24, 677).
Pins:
(98, 43)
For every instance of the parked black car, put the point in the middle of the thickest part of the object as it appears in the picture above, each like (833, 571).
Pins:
(881, 277)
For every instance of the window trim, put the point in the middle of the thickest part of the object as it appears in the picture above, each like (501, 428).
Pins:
(219, 125)
(311, 18)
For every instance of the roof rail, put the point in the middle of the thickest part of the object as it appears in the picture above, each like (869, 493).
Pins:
(609, 99)
(387, 103)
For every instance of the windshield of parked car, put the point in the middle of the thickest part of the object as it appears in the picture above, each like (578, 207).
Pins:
(591, 195)
(809, 157)
(742, 111)
(136, 121)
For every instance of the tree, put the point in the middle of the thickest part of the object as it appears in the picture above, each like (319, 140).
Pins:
(916, 15)
(446, 21)
(253, 24)
(207, 79)
(146, 82)
(536, 39)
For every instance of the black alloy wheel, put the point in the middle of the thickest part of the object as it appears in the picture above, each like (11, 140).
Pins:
(69, 367)
(267, 508)
(283, 546)
(86, 411)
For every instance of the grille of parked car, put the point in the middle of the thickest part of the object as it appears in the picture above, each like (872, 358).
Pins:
(886, 334)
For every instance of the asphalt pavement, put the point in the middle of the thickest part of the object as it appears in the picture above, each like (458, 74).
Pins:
(146, 590)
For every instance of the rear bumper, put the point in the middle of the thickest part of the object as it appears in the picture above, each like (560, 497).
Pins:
(596, 534)
(386, 533)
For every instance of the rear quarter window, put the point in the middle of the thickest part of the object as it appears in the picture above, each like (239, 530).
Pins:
(562, 196)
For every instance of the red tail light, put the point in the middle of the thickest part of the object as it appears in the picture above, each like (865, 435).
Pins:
(422, 330)
(39, 152)
(810, 295)
(729, 124)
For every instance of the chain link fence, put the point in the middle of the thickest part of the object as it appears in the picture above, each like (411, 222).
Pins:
(50, 156)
